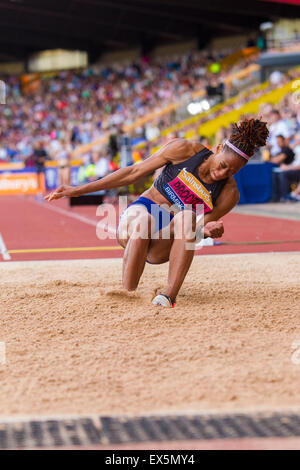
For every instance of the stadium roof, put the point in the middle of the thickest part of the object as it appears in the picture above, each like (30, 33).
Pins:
(96, 26)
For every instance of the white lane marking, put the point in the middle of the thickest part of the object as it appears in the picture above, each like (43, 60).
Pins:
(3, 250)
(81, 218)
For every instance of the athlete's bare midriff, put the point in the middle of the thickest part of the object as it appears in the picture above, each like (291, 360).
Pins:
(155, 196)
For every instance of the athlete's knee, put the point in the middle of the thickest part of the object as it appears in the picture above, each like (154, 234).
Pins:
(157, 258)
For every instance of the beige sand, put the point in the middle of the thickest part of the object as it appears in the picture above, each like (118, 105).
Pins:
(76, 344)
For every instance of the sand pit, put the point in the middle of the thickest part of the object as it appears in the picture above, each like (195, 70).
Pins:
(76, 344)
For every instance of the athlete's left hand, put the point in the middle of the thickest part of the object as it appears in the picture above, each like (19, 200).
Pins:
(214, 229)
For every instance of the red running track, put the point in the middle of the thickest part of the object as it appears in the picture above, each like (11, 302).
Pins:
(27, 224)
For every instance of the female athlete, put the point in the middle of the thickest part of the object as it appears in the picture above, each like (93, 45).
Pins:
(159, 230)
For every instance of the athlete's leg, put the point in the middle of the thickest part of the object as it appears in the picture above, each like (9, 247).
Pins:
(182, 251)
(176, 244)
(134, 234)
(178, 249)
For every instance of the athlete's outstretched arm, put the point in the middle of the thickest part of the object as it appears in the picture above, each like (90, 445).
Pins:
(176, 150)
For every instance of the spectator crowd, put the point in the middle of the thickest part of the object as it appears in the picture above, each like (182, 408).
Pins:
(77, 108)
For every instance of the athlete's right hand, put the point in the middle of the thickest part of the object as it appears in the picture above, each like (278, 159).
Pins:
(62, 191)
(214, 229)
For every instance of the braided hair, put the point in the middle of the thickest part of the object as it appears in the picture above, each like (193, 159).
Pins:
(249, 135)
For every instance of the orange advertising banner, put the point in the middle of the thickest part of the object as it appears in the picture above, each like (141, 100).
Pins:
(30, 82)
(18, 183)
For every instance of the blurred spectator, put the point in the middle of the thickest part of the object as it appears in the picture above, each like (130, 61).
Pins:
(285, 154)
(63, 156)
(125, 149)
(101, 164)
(288, 173)
(278, 127)
(215, 89)
(86, 172)
(291, 174)
(39, 158)
(113, 143)
(296, 147)
(285, 178)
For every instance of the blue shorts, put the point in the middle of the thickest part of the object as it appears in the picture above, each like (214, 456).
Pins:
(162, 216)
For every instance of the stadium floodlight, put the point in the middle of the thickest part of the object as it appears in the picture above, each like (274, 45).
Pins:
(194, 108)
(198, 107)
(266, 26)
(205, 105)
